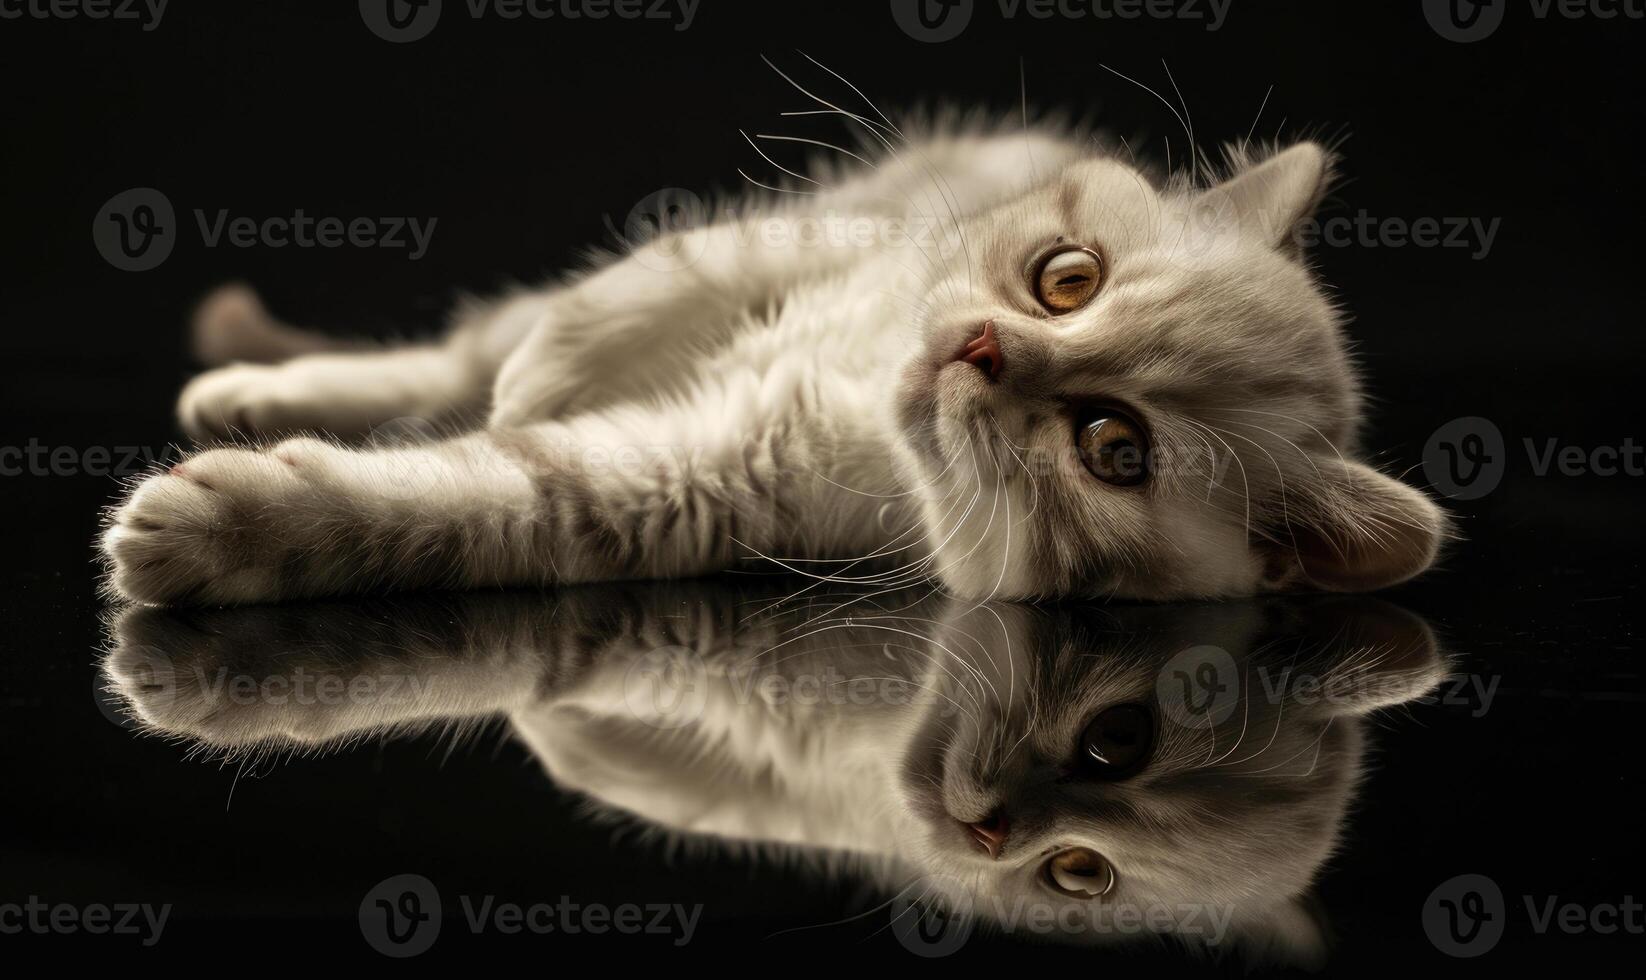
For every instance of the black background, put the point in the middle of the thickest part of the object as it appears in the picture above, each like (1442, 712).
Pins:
(527, 138)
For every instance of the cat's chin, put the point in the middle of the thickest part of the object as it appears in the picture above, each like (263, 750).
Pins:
(944, 409)
(934, 828)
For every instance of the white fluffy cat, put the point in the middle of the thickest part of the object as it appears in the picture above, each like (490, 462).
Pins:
(1008, 360)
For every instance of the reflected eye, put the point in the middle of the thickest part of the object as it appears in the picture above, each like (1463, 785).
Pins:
(1114, 448)
(1117, 742)
(1068, 279)
(1080, 872)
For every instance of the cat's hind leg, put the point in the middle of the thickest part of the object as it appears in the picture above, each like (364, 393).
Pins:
(231, 325)
(346, 394)
(279, 379)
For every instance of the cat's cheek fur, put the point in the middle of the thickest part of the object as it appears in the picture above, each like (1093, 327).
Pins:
(1213, 559)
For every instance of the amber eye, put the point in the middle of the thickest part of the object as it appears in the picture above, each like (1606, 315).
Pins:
(1068, 279)
(1114, 448)
(1080, 872)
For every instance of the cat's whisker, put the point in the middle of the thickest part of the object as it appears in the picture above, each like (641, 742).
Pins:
(1253, 128)
(1305, 454)
(1315, 746)
(1188, 124)
(867, 598)
(1280, 718)
(866, 100)
(1001, 489)
(872, 127)
(929, 483)
(776, 190)
(850, 918)
(1246, 488)
(1034, 485)
(890, 576)
(945, 191)
(916, 566)
(768, 159)
(1245, 719)
(1169, 108)
(1280, 473)
(969, 665)
(983, 538)
(1011, 659)
(828, 146)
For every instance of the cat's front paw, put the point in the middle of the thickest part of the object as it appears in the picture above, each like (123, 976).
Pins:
(216, 528)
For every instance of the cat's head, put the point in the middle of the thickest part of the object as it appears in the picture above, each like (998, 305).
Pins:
(1163, 772)
(1125, 388)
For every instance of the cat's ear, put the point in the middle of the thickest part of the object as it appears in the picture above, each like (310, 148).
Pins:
(1349, 528)
(1366, 654)
(1273, 198)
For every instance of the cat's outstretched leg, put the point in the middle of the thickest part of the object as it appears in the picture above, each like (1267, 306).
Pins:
(596, 498)
(281, 379)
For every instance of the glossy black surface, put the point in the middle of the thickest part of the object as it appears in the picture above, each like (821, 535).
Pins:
(520, 137)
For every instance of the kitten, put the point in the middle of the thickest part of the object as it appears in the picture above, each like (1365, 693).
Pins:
(1028, 765)
(1009, 361)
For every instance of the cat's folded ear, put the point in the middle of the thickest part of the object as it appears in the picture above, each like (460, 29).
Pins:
(1349, 528)
(1363, 653)
(1272, 197)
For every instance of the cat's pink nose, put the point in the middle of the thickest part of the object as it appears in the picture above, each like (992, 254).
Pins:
(984, 353)
(990, 832)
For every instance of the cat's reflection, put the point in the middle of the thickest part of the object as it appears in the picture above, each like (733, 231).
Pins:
(1081, 772)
